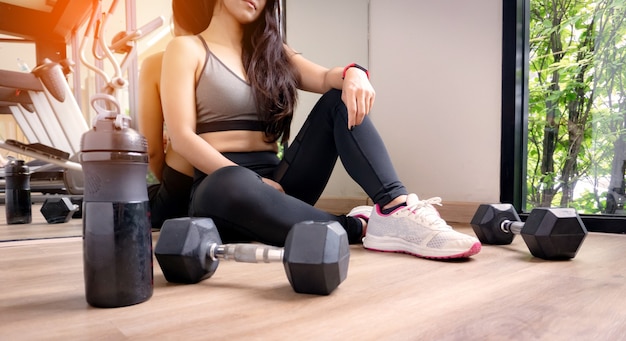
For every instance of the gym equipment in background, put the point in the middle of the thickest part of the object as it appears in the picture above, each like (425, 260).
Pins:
(47, 112)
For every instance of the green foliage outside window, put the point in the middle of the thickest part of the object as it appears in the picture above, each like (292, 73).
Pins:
(576, 148)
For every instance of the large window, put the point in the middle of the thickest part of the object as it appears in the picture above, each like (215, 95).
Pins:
(564, 108)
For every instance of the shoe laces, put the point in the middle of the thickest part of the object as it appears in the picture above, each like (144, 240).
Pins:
(424, 210)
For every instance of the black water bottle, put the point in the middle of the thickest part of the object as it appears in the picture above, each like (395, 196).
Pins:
(17, 204)
(117, 238)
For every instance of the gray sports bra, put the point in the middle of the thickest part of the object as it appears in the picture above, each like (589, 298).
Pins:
(224, 101)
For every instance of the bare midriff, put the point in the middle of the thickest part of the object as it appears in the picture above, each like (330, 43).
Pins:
(233, 141)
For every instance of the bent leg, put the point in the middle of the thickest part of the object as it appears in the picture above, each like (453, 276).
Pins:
(415, 227)
(309, 160)
(245, 208)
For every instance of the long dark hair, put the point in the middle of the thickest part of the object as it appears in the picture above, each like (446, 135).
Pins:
(272, 77)
(193, 16)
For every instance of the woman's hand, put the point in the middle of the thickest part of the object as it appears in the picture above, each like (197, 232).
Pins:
(274, 184)
(358, 95)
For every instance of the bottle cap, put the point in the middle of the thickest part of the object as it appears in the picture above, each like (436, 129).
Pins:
(16, 167)
(107, 136)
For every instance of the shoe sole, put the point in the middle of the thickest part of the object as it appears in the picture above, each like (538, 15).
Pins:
(401, 246)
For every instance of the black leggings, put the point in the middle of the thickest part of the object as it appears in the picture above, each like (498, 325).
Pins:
(245, 208)
(170, 198)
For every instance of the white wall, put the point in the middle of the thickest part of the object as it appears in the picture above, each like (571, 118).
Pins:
(436, 67)
(330, 33)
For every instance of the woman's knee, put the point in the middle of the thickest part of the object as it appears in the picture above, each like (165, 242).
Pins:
(332, 95)
(329, 107)
(226, 187)
(331, 99)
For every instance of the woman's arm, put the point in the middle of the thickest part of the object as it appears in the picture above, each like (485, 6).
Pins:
(183, 58)
(150, 114)
(357, 91)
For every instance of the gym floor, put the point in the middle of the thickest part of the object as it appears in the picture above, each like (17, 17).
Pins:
(501, 293)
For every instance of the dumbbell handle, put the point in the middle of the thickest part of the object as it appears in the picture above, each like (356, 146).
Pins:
(246, 253)
(514, 227)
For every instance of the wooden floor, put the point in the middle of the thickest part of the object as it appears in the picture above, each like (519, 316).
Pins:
(502, 293)
(39, 228)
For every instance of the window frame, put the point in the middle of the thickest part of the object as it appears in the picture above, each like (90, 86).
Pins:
(514, 131)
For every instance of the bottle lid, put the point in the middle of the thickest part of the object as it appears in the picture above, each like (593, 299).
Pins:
(16, 167)
(106, 135)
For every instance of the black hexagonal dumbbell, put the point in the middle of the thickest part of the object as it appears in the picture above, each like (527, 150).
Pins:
(58, 210)
(549, 233)
(315, 256)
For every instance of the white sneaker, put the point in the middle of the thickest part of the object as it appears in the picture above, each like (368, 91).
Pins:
(417, 229)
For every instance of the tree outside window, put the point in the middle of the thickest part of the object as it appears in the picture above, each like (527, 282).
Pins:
(576, 143)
